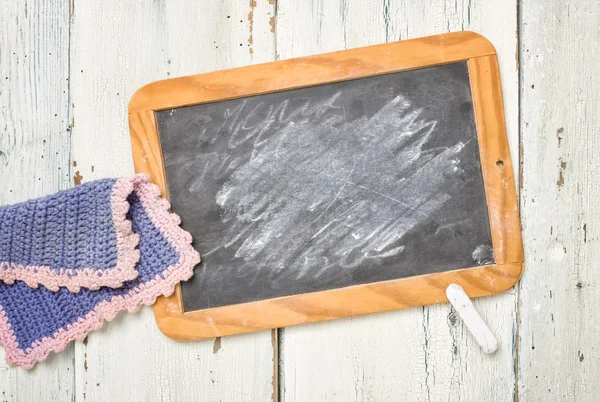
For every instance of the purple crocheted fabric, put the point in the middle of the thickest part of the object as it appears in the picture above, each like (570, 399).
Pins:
(37, 321)
(75, 238)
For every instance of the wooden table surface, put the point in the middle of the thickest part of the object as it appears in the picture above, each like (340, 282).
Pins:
(67, 71)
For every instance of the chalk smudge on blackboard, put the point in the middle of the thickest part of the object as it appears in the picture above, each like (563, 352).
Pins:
(328, 186)
(314, 170)
(483, 255)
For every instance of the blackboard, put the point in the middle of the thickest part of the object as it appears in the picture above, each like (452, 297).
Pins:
(335, 185)
(329, 186)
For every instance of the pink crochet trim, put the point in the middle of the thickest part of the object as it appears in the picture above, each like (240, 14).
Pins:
(145, 294)
(75, 279)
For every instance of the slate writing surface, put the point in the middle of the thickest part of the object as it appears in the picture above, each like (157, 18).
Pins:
(328, 186)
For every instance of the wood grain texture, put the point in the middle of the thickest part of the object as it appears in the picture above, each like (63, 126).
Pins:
(330, 304)
(560, 297)
(333, 67)
(496, 163)
(116, 48)
(415, 354)
(34, 149)
(312, 70)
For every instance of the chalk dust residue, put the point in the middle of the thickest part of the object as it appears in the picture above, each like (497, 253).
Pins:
(483, 255)
(306, 200)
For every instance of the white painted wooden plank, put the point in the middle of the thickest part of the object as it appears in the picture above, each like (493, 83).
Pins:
(34, 148)
(415, 354)
(560, 289)
(117, 47)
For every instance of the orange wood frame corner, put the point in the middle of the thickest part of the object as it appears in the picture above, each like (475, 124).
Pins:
(283, 75)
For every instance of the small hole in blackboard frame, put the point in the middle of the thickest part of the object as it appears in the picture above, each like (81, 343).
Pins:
(500, 163)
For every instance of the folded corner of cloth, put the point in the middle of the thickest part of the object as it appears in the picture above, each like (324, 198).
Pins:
(96, 249)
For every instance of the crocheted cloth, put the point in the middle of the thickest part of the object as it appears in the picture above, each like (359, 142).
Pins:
(82, 239)
(75, 238)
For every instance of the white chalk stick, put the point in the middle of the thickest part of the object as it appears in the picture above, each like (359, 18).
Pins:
(470, 316)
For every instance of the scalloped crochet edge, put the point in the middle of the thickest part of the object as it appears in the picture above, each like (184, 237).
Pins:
(143, 294)
(74, 279)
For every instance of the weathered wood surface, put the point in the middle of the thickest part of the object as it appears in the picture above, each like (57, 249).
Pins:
(78, 62)
(423, 353)
(35, 148)
(116, 48)
(559, 297)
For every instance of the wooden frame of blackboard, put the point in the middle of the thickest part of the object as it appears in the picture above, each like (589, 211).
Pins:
(283, 75)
